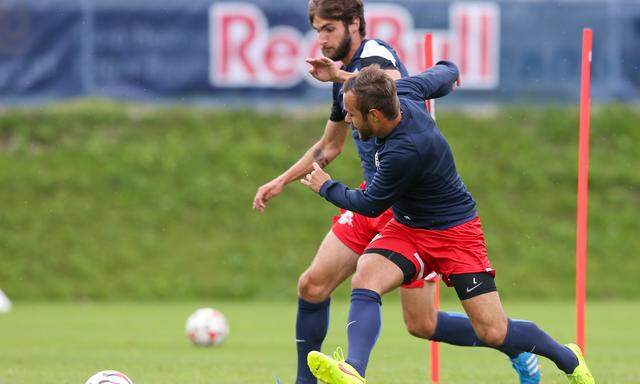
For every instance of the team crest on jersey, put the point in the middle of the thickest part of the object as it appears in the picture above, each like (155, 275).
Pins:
(377, 161)
(346, 218)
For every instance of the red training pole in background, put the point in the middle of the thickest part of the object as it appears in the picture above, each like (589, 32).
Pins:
(434, 347)
(583, 188)
(428, 63)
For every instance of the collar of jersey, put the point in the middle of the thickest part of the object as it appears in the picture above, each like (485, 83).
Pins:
(356, 55)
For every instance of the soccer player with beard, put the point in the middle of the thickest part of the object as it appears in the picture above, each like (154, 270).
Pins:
(435, 228)
(340, 27)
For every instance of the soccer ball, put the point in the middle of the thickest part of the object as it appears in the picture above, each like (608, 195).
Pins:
(207, 327)
(109, 377)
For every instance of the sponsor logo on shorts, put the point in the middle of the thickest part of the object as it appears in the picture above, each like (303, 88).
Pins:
(346, 218)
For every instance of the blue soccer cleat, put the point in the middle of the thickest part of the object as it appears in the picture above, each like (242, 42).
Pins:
(528, 368)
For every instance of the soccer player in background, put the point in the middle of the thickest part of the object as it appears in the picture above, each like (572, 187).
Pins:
(435, 228)
(340, 27)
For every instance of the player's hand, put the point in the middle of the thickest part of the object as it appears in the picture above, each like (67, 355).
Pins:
(316, 178)
(324, 69)
(265, 193)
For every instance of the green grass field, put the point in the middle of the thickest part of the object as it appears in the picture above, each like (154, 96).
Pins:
(127, 202)
(67, 342)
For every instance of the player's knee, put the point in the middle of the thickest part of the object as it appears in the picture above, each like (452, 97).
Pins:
(311, 289)
(366, 276)
(421, 323)
(493, 335)
(361, 280)
(423, 328)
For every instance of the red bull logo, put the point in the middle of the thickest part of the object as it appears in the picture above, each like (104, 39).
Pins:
(246, 52)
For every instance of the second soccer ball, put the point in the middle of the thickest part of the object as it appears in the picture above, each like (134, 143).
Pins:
(207, 327)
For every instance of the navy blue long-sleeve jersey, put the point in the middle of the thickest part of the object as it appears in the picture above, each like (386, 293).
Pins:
(415, 169)
(369, 52)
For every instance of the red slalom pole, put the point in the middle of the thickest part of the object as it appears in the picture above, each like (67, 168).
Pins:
(434, 347)
(428, 63)
(583, 188)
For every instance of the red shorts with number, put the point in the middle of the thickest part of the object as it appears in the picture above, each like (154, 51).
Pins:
(455, 250)
(356, 232)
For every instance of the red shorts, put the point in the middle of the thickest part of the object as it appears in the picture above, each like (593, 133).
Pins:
(459, 249)
(356, 232)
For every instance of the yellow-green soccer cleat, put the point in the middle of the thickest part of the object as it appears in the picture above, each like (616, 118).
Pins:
(333, 370)
(580, 375)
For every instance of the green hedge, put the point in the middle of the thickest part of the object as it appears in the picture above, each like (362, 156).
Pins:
(102, 201)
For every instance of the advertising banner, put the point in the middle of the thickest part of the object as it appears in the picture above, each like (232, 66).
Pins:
(248, 51)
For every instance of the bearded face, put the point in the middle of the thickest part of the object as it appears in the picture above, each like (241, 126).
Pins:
(333, 38)
(364, 130)
(356, 119)
(342, 50)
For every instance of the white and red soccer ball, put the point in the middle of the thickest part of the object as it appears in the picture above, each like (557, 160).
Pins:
(207, 327)
(109, 377)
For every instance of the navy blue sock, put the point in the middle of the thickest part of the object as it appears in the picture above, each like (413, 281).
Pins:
(363, 328)
(312, 324)
(455, 328)
(526, 336)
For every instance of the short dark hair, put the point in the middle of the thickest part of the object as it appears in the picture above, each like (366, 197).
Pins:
(343, 10)
(374, 89)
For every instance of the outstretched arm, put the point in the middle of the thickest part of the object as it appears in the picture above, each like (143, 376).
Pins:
(324, 69)
(323, 152)
(435, 82)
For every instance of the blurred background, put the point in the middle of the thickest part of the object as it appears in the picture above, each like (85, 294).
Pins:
(134, 134)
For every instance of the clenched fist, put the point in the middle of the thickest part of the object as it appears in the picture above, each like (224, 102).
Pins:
(316, 178)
